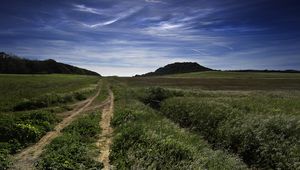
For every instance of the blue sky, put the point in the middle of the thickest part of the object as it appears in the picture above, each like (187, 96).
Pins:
(128, 37)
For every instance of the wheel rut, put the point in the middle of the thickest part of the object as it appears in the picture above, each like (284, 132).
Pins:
(25, 159)
(105, 139)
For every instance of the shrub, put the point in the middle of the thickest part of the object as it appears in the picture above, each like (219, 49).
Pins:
(154, 95)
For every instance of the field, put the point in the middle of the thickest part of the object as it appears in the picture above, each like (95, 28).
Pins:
(214, 80)
(254, 116)
(31, 106)
(210, 120)
(238, 75)
(17, 88)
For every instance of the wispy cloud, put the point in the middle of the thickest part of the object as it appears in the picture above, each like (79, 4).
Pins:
(115, 17)
(83, 8)
(134, 36)
(101, 23)
(156, 1)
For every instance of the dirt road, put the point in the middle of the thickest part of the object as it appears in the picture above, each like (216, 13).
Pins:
(105, 139)
(25, 159)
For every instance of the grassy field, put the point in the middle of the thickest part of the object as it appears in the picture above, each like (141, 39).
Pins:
(30, 107)
(145, 139)
(207, 120)
(17, 88)
(237, 75)
(255, 118)
(221, 81)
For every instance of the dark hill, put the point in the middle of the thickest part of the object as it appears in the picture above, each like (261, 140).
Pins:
(175, 68)
(10, 64)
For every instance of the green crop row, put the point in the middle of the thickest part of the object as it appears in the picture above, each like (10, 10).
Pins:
(262, 140)
(75, 148)
(144, 139)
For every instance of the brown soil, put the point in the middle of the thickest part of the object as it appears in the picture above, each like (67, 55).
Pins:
(105, 139)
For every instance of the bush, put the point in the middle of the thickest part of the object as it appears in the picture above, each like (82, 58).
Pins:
(154, 95)
(264, 141)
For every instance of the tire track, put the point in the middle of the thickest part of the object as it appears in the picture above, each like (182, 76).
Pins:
(25, 159)
(105, 140)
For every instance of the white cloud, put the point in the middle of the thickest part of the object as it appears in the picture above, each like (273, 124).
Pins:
(101, 23)
(116, 17)
(155, 1)
(84, 8)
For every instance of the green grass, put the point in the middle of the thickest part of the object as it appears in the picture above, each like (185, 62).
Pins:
(237, 75)
(17, 88)
(146, 140)
(214, 83)
(264, 131)
(216, 80)
(29, 107)
(75, 148)
(21, 129)
(104, 93)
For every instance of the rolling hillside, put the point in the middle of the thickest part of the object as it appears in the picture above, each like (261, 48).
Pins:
(175, 68)
(16, 65)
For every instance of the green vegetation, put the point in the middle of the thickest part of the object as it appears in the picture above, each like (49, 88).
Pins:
(215, 83)
(238, 75)
(75, 148)
(21, 129)
(265, 135)
(104, 93)
(214, 120)
(18, 89)
(53, 99)
(48, 95)
(146, 140)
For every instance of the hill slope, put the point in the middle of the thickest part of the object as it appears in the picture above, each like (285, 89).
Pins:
(15, 65)
(175, 68)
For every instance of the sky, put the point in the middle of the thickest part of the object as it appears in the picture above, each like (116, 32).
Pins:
(128, 37)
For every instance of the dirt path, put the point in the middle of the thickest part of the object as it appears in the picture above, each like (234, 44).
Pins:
(105, 139)
(25, 160)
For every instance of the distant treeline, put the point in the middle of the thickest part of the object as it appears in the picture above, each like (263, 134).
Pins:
(176, 68)
(10, 64)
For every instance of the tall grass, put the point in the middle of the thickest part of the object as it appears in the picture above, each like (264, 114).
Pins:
(146, 140)
(266, 140)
